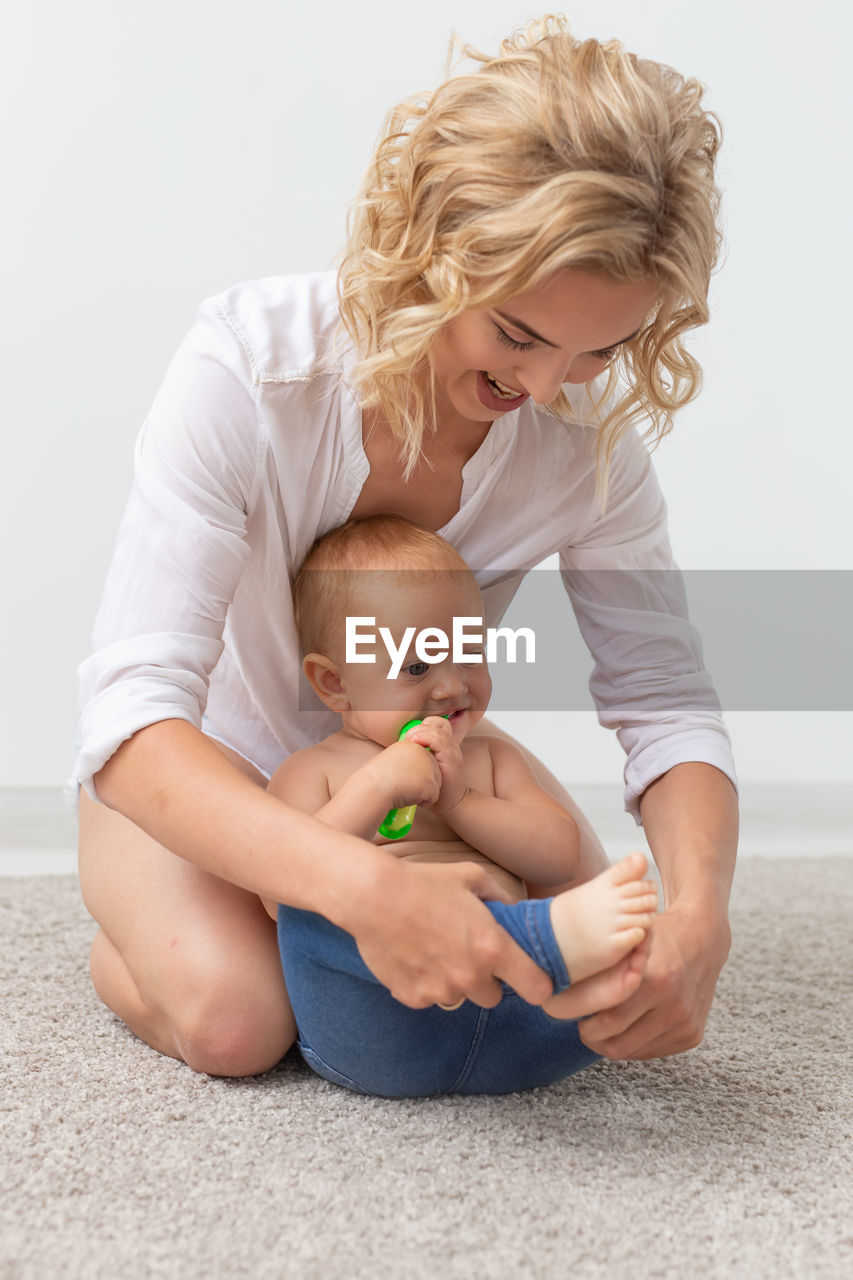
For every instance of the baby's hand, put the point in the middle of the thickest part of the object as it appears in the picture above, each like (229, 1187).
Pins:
(435, 732)
(407, 775)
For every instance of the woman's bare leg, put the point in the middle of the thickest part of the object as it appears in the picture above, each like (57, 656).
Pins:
(593, 859)
(188, 961)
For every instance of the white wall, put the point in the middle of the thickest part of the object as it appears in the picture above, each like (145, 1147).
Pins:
(156, 152)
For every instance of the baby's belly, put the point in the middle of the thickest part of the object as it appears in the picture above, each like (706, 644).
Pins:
(458, 851)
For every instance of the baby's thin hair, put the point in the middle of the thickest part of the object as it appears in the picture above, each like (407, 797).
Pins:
(331, 573)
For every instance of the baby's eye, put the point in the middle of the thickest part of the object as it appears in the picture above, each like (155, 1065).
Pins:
(503, 336)
(416, 669)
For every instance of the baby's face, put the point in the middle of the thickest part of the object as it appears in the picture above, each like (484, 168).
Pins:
(380, 701)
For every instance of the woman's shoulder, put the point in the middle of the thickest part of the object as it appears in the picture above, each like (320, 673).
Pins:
(285, 324)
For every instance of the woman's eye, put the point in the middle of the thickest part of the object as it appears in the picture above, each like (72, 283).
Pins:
(503, 336)
(416, 669)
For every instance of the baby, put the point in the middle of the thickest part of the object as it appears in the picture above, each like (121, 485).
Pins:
(477, 799)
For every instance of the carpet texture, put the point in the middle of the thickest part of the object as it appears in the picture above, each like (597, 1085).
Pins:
(733, 1160)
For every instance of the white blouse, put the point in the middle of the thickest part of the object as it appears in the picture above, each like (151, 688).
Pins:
(253, 449)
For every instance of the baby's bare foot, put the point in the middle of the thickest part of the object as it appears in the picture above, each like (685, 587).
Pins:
(599, 922)
(603, 990)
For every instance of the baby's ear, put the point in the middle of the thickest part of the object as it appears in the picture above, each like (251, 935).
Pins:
(325, 679)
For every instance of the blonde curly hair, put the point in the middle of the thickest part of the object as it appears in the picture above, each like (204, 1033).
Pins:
(555, 153)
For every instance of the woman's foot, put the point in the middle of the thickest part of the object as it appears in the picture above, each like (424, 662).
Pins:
(599, 922)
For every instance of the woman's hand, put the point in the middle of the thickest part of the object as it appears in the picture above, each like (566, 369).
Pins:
(665, 1010)
(425, 934)
(691, 823)
(667, 1013)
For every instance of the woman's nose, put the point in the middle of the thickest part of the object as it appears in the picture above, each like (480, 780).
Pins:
(543, 382)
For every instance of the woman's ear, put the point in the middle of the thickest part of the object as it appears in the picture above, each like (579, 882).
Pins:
(325, 679)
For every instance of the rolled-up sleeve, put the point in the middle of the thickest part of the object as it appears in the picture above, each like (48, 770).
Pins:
(649, 682)
(180, 550)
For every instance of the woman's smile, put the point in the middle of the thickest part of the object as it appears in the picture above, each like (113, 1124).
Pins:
(494, 395)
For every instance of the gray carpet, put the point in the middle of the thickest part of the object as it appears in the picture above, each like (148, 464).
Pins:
(733, 1160)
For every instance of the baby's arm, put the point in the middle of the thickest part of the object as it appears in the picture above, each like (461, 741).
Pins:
(400, 775)
(521, 827)
(357, 807)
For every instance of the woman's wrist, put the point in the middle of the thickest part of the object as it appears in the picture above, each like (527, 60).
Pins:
(690, 818)
(358, 888)
(706, 922)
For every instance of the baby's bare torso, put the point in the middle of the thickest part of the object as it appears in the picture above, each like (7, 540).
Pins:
(430, 839)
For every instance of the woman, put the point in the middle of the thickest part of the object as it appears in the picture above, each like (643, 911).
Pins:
(518, 232)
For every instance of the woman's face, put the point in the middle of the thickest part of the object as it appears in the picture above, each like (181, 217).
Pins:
(489, 362)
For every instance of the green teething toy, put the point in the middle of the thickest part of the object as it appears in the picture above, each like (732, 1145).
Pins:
(398, 822)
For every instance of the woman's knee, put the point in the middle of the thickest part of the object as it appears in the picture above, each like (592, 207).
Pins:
(188, 962)
(216, 1017)
(232, 1042)
(221, 1031)
(230, 1010)
(209, 1025)
(229, 1016)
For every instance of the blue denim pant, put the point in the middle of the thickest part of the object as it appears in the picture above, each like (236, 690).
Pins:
(353, 1032)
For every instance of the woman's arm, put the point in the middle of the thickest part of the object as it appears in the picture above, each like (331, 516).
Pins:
(690, 815)
(421, 929)
(178, 787)
(650, 685)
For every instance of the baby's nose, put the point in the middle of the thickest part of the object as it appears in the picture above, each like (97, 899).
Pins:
(449, 683)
